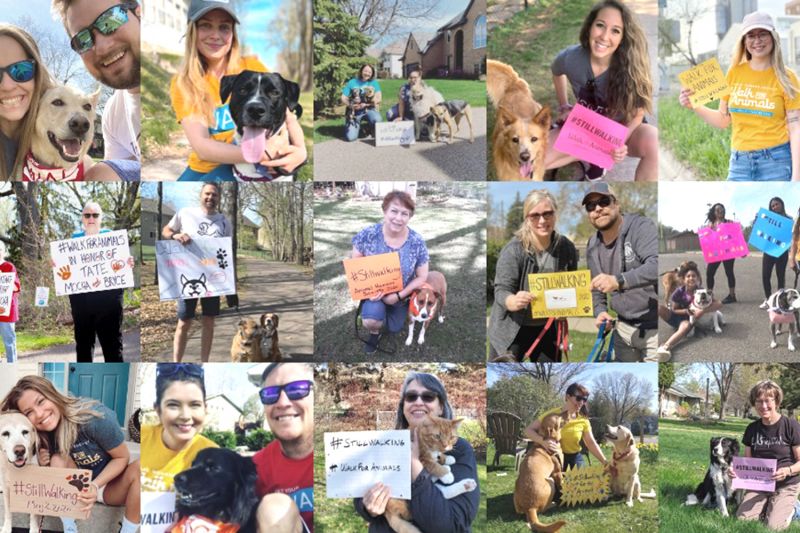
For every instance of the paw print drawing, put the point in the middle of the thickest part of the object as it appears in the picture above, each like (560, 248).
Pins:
(222, 257)
(64, 272)
(79, 481)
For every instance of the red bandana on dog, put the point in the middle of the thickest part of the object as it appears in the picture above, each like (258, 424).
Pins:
(201, 524)
(32, 170)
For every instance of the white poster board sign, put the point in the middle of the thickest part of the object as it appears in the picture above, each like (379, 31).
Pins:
(158, 511)
(92, 263)
(356, 460)
(42, 296)
(6, 292)
(394, 133)
(200, 269)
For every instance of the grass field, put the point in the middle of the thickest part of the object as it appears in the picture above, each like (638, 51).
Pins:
(32, 341)
(704, 148)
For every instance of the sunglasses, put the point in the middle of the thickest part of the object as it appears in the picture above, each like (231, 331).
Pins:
(21, 71)
(547, 215)
(581, 398)
(91, 215)
(427, 397)
(107, 23)
(295, 390)
(166, 370)
(604, 201)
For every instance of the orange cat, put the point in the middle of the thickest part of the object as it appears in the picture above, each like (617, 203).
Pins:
(436, 436)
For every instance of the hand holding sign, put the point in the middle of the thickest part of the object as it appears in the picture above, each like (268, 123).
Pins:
(754, 474)
(723, 243)
(772, 233)
(705, 82)
(591, 137)
(373, 275)
(561, 294)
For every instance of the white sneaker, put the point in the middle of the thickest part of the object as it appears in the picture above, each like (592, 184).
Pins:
(664, 353)
(764, 305)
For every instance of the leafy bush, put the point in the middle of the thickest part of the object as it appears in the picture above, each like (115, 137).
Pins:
(224, 439)
(648, 452)
(256, 439)
(475, 434)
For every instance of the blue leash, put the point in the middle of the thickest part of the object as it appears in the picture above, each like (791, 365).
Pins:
(596, 355)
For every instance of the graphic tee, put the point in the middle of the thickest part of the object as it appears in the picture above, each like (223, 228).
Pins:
(160, 465)
(195, 223)
(774, 442)
(293, 477)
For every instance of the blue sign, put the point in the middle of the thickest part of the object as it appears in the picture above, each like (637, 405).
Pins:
(772, 233)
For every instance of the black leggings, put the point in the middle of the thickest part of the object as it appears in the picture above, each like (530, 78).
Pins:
(767, 264)
(711, 270)
(546, 350)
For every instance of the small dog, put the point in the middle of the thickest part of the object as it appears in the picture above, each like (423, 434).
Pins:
(270, 351)
(521, 128)
(350, 113)
(426, 303)
(62, 135)
(369, 97)
(715, 489)
(422, 98)
(18, 443)
(784, 308)
(258, 104)
(625, 465)
(448, 112)
(246, 346)
(670, 282)
(702, 299)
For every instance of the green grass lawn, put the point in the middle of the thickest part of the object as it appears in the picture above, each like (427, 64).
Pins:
(603, 517)
(704, 148)
(31, 341)
(474, 92)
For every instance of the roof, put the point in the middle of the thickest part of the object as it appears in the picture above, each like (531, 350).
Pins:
(150, 205)
(677, 390)
(226, 399)
(398, 47)
(249, 223)
(458, 20)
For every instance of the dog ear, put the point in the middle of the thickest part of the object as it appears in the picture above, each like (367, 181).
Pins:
(263, 319)
(293, 95)
(630, 441)
(505, 116)
(95, 95)
(202, 279)
(226, 87)
(543, 117)
(245, 499)
(184, 279)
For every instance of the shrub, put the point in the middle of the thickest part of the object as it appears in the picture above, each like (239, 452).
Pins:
(223, 439)
(256, 439)
(475, 434)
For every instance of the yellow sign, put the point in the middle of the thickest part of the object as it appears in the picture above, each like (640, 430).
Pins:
(706, 80)
(374, 274)
(588, 484)
(561, 294)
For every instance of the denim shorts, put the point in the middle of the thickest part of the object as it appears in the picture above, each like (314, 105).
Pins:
(769, 164)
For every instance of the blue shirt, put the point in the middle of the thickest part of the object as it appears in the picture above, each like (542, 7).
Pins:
(413, 253)
(356, 83)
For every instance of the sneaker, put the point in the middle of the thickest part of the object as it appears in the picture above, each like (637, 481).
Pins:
(664, 354)
(371, 346)
(729, 299)
(764, 305)
(592, 172)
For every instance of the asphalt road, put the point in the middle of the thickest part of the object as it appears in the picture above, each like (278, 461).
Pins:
(746, 335)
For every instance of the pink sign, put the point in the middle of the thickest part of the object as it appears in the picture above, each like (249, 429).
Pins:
(590, 136)
(754, 474)
(723, 243)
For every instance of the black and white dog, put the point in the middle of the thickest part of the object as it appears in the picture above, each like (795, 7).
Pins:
(784, 308)
(715, 489)
(702, 299)
(258, 105)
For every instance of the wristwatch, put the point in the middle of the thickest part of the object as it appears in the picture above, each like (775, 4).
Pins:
(620, 281)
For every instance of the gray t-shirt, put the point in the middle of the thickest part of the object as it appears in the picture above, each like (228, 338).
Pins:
(574, 63)
(195, 223)
(10, 147)
(95, 438)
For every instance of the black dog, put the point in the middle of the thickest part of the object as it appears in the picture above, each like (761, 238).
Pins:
(258, 107)
(220, 485)
(715, 489)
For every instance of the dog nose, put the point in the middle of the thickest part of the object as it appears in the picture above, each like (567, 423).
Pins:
(256, 111)
(525, 156)
(19, 451)
(79, 125)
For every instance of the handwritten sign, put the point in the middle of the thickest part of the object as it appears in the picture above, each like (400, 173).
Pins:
(200, 269)
(727, 242)
(158, 511)
(707, 82)
(394, 133)
(356, 460)
(560, 294)
(772, 233)
(588, 484)
(42, 296)
(6, 292)
(590, 136)
(92, 263)
(373, 274)
(47, 491)
(754, 474)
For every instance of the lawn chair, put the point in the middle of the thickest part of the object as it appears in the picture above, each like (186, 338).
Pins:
(504, 429)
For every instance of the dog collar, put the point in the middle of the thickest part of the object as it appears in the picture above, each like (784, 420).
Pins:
(622, 455)
(201, 524)
(32, 170)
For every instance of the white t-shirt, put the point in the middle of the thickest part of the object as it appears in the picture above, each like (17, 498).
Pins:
(121, 125)
(195, 223)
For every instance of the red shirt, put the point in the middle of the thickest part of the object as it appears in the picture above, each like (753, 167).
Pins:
(13, 316)
(294, 477)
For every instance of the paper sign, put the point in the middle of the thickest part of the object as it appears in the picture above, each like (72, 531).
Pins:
(588, 484)
(754, 474)
(561, 294)
(6, 293)
(42, 296)
(92, 263)
(373, 274)
(590, 136)
(707, 81)
(356, 460)
(394, 133)
(200, 269)
(727, 242)
(47, 491)
(772, 233)
(158, 511)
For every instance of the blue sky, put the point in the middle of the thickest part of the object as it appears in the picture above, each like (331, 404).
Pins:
(444, 11)
(257, 16)
(180, 195)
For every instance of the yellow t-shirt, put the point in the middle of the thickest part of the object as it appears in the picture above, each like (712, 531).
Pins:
(572, 432)
(223, 128)
(758, 105)
(160, 465)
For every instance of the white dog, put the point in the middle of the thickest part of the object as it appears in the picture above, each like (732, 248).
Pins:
(422, 98)
(18, 444)
(703, 299)
(784, 308)
(625, 466)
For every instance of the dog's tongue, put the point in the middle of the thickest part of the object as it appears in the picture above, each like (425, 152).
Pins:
(253, 144)
(525, 169)
(71, 146)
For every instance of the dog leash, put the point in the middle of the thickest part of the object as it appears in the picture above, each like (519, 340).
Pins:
(562, 339)
(596, 355)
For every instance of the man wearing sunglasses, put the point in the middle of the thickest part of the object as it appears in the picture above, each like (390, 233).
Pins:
(105, 33)
(623, 259)
(286, 465)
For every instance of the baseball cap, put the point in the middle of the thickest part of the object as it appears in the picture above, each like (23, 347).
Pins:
(757, 20)
(600, 188)
(198, 8)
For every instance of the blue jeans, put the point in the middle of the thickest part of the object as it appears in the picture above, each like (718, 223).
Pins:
(351, 128)
(394, 112)
(9, 340)
(574, 460)
(393, 315)
(769, 164)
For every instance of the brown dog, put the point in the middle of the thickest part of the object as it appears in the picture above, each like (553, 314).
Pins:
(539, 473)
(269, 338)
(426, 303)
(450, 113)
(246, 345)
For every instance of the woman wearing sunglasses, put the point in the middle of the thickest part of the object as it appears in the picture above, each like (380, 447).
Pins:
(81, 433)
(23, 80)
(577, 430)
(609, 72)
(213, 51)
(423, 395)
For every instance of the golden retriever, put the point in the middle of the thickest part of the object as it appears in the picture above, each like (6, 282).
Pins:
(624, 465)
(18, 444)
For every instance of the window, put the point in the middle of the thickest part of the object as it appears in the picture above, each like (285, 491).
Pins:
(54, 372)
(479, 35)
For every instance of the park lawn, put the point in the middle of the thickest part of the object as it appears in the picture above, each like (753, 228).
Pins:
(473, 91)
(29, 341)
(586, 518)
(703, 148)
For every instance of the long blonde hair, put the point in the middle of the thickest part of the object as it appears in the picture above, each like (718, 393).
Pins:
(741, 55)
(41, 82)
(525, 233)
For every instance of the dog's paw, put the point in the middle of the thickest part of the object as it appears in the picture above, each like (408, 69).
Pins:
(717, 330)
(447, 479)
(441, 319)
(629, 503)
(791, 347)
(409, 341)
(469, 484)
(773, 344)
(449, 460)
(79, 481)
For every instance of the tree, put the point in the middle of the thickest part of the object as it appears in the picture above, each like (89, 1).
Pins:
(666, 377)
(723, 376)
(378, 18)
(558, 377)
(253, 410)
(292, 34)
(521, 395)
(688, 12)
(626, 395)
(514, 217)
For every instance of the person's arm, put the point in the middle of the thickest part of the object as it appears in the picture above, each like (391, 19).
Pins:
(645, 245)
(793, 121)
(506, 280)
(718, 118)
(116, 466)
(561, 85)
(208, 148)
(168, 233)
(594, 449)
(421, 276)
(401, 105)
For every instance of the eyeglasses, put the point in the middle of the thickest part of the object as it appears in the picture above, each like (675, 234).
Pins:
(165, 370)
(21, 71)
(427, 397)
(603, 201)
(547, 215)
(295, 390)
(107, 23)
(581, 398)
(760, 36)
(91, 215)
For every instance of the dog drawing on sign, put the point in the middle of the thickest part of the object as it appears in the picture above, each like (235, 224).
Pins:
(193, 288)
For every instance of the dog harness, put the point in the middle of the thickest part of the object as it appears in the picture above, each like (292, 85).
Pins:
(32, 170)
(200, 524)
(778, 315)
